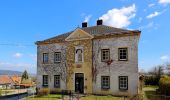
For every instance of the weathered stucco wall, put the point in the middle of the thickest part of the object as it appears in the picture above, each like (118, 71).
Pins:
(117, 68)
(85, 67)
(51, 68)
(91, 51)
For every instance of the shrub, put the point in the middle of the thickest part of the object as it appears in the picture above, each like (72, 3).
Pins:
(164, 85)
(43, 92)
(151, 80)
(54, 91)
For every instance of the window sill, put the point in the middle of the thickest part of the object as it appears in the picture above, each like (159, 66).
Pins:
(57, 62)
(79, 62)
(57, 87)
(105, 60)
(45, 63)
(123, 89)
(45, 85)
(122, 60)
(105, 89)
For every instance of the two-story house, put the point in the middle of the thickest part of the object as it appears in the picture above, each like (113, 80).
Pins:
(98, 59)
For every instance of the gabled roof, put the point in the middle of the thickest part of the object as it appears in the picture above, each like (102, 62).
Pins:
(5, 79)
(99, 30)
(16, 79)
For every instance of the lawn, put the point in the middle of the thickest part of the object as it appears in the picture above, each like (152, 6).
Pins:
(5, 92)
(90, 97)
(93, 97)
(149, 91)
(48, 97)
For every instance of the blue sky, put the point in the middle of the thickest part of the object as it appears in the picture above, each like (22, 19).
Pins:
(22, 22)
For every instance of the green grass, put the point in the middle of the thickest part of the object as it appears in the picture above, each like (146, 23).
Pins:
(90, 97)
(4, 92)
(152, 86)
(48, 97)
(93, 97)
(149, 91)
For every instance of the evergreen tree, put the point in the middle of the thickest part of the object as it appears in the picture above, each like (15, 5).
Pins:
(25, 75)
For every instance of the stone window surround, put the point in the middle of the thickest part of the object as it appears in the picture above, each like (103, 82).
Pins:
(102, 82)
(45, 60)
(76, 56)
(57, 79)
(126, 83)
(125, 48)
(55, 54)
(102, 50)
(45, 80)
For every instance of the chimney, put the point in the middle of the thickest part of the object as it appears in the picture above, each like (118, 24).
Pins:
(99, 22)
(84, 24)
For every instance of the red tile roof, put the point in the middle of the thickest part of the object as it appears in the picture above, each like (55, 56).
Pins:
(16, 79)
(5, 79)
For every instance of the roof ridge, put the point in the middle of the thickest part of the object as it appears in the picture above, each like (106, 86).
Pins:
(97, 30)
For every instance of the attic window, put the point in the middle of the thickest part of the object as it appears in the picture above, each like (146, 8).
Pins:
(79, 55)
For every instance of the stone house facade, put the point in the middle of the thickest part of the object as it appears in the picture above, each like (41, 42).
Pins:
(99, 60)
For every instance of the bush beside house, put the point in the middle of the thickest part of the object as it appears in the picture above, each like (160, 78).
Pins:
(151, 80)
(164, 85)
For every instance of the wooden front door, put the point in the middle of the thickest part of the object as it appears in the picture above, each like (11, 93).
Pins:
(79, 82)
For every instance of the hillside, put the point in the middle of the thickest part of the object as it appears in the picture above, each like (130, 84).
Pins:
(10, 72)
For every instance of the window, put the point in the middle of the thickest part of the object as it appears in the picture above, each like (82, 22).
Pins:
(79, 55)
(45, 80)
(57, 57)
(123, 82)
(57, 81)
(45, 57)
(105, 54)
(123, 54)
(105, 82)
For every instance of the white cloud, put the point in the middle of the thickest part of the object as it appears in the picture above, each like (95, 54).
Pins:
(153, 15)
(151, 5)
(164, 1)
(149, 25)
(18, 55)
(87, 18)
(119, 17)
(164, 58)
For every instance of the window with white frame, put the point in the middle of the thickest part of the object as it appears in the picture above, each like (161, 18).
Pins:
(79, 54)
(57, 81)
(45, 80)
(45, 57)
(105, 82)
(123, 54)
(123, 82)
(105, 54)
(57, 57)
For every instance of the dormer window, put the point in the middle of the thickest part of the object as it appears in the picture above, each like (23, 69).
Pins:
(79, 55)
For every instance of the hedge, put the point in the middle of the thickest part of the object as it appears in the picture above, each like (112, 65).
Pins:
(151, 80)
(164, 85)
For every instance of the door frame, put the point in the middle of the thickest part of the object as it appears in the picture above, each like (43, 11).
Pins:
(74, 79)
